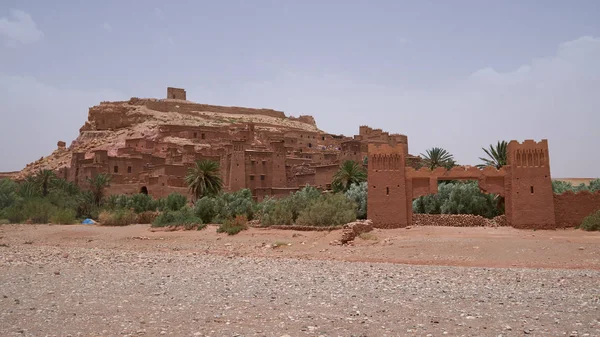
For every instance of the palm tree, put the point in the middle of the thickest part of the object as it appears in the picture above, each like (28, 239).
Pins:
(44, 179)
(350, 172)
(438, 157)
(497, 155)
(97, 185)
(204, 178)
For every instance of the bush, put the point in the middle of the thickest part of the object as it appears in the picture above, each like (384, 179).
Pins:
(591, 222)
(8, 193)
(38, 210)
(594, 185)
(175, 202)
(458, 198)
(238, 203)
(206, 209)
(234, 225)
(121, 217)
(147, 217)
(328, 210)
(4, 221)
(141, 203)
(358, 194)
(276, 213)
(183, 217)
(225, 206)
(560, 187)
(299, 201)
(63, 217)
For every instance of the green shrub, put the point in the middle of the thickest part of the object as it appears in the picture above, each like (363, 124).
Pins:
(224, 206)
(4, 221)
(276, 213)
(8, 193)
(234, 226)
(183, 217)
(120, 217)
(63, 217)
(38, 210)
(358, 194)
(238, 203)
(591, 222)
(206, 209)
(328, 210)
(594, 185)
(141, 203)
(299, 201)
(459, 198)
(175, 202)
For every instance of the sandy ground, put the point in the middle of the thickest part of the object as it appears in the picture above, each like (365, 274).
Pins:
(450, 246)
(100, 281)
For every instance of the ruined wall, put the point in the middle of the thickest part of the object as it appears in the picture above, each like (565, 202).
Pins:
(529, 197)
(185, 107)
(156, 191)
(176, 93)
(324, 175)
(571, 208)
(260, 193)
(111, 116)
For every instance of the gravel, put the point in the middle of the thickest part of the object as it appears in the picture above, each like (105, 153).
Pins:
(55, 291)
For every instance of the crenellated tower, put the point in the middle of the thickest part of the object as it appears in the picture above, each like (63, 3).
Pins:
(387, 204)
(529, 196)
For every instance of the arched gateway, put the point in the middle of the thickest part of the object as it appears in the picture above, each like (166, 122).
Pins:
(524, 182)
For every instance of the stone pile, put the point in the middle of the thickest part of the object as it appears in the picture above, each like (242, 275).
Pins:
(457, 220)
(352, 230)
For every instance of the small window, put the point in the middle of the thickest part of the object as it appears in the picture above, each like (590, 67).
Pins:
(309, 144)
(531, 189)
(128, 169)
(264, 162)
(251, 177)
(203, 136)
(262, 177)
(387, 191)
(323, 137)
(195, 135)
(116, 169)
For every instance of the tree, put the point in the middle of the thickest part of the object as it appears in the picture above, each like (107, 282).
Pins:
(438, 157)
(97, 186)
(350, 172)
(496, 155)
(44, 180)
(204, 179)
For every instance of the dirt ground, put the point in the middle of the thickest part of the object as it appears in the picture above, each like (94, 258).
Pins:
(86, 280)
(447, 246)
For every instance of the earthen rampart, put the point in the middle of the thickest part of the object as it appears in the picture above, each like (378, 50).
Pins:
(571, 208)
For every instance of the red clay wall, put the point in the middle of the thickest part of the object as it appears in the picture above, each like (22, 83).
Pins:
(529, 197)
(387, 201)
(570, 208)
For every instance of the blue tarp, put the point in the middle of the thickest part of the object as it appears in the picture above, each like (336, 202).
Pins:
(88, 222)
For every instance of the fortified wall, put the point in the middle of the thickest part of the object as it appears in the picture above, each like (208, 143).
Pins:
(525, 183)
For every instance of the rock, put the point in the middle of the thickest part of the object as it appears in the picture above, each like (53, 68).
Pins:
(353, 229)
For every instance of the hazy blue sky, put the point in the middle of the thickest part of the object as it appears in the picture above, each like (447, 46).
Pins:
(456, 74)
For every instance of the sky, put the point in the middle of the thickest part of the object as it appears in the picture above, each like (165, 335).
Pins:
(458, 74)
